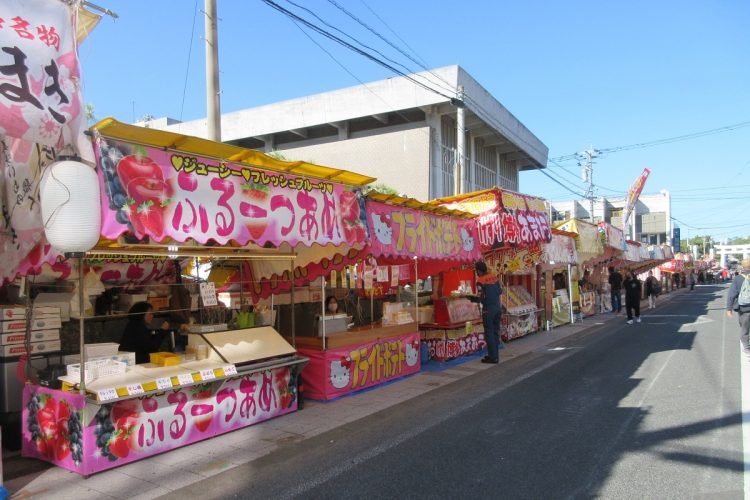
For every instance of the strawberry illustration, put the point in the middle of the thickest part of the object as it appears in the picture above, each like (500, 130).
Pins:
(257, 219)
(62, 448)
(118, 444)
(258, 192)
(150, 217)
(202, 409)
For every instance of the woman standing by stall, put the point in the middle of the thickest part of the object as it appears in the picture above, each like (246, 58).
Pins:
(489, 289)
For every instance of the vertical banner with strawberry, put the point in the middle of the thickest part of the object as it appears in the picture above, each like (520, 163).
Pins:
(158, 194)
(337, 372)
(66, 430)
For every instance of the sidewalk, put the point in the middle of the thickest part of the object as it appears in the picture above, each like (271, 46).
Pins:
(161, 474)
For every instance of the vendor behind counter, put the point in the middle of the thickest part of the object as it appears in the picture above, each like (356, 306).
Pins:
(138, 337)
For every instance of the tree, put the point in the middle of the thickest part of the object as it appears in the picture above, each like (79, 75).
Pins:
(384, 188)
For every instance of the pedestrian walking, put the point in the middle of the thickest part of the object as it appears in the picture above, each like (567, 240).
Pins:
(691, 280)
(651, 290)
(738, 299)
(488, 286)
(632, 287)
(615, 287)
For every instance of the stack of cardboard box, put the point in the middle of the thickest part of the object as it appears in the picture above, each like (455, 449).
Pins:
(45, 330)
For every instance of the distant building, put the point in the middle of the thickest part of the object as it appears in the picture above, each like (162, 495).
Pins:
(391, 129)
(653, 214)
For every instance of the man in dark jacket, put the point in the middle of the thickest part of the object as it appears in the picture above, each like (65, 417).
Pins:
(743, 311)
(488, 286)
(615, 287)
(632, 287)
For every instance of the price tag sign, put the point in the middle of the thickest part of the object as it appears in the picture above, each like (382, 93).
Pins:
(135, 389)
(164, 383)
(208, 294)
(208, 374)
(230, 370)
(185, 379)
(106, 394)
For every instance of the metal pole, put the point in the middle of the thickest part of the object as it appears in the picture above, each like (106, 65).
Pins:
(460, 171)
(323, 309)
(416, 290)
(213, 103)
(291, 299)
(242, 285)
(81, 325)
(570, 293)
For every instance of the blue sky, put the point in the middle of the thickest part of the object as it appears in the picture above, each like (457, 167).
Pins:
(577, 74)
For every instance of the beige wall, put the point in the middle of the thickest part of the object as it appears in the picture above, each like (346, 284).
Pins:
(400, 159)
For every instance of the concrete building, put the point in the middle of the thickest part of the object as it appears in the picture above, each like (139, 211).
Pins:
(652, 215)
(394, 130)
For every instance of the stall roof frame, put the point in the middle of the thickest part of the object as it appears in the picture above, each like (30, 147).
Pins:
(171, 141)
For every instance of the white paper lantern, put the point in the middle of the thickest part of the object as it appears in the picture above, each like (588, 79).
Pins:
(71, 213)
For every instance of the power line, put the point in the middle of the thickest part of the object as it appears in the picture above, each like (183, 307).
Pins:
(351, 47)
(560, 183)
(668, 140)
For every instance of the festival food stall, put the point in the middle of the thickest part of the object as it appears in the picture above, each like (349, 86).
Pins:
(558, 255)
(166, 195)
(409, 241)
(590, 246)
(512, 227)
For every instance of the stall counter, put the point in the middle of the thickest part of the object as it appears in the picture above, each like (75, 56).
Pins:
(357, 359)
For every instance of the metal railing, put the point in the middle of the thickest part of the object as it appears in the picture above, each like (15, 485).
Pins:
(478, 176)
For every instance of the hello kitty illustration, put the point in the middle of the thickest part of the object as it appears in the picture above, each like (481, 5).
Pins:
(340, 373)
(412, 354)
(383, 230)
(467, 239)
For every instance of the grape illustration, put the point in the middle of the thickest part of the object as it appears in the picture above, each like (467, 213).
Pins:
(75, 437)
(33, 405)
(103, 431)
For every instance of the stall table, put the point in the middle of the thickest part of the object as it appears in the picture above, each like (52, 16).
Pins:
(152, 409)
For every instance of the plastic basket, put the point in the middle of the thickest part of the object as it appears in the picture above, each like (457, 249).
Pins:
(97, 369)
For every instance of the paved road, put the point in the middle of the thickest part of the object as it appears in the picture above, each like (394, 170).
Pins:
(651, 410)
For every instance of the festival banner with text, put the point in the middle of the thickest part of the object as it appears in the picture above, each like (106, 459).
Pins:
(40, 99)
(160, 194)
(62, 428)
(404, 232)
(335, 372)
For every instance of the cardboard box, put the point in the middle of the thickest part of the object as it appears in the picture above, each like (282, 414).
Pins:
(36, 348)
(60, 300)
(12, 313)
(159, 303)
(36, 324)
(36, 336)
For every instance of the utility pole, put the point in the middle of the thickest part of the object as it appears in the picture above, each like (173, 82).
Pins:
(460, 172)
(587, 175)
(213, 103)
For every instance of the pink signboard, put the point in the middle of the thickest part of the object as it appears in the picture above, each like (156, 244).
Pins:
(403, 232)
(70, 432)
(344, 370)
(506, 218)
(444, 345)
(40, 81)
(167, 194)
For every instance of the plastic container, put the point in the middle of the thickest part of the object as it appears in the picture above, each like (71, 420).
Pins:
(103, 349)
(97, 369)
(164, 358)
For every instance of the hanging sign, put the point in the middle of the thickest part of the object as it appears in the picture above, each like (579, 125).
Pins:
(208, 294)
(401, 231)
(506, 218)
(40, 81)
(158, 193)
